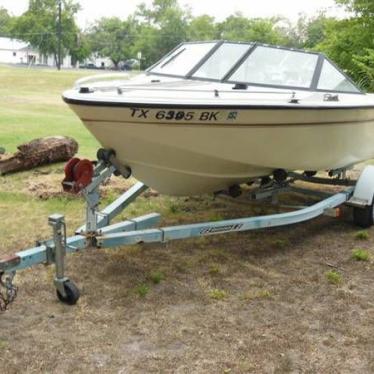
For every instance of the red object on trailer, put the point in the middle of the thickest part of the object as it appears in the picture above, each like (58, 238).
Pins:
(78, 175)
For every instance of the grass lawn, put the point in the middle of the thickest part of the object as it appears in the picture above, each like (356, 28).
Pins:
(31, 107)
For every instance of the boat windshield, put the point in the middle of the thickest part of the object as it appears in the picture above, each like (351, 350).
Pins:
(254, 64)
(275, 66)
(183, 59)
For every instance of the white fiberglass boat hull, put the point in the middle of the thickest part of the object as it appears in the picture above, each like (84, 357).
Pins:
(212, 114)
(185, 150)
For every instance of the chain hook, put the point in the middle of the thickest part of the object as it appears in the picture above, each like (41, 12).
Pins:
(8, 291)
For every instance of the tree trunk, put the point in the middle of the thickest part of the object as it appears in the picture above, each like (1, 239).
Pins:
(39, 152)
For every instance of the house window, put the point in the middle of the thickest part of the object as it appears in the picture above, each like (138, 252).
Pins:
(14, 54)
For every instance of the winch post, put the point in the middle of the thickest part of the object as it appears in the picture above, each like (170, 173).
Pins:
(92, 200)
(92, 195)
(57, 222)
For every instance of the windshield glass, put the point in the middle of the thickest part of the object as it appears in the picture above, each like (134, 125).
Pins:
(332, 79)
(222, 60)
(183, 59)
(279, 67)
(253, 64)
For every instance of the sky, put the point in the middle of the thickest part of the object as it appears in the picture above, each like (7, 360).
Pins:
(94, 9)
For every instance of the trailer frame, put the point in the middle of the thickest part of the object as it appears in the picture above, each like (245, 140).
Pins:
(99, 232)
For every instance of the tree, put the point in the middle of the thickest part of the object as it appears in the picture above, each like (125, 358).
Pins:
(343, 40)
(146, 42)
(362, 8)
(160, 28)
(38, 26)
(5, 21)
(310, 31)
(240, 28)
(364, 66)
(234, 27)
(113, 38)
(349, 41)
(172, 26)
(202, 28)
(363, 60)
(157, 12)
(81, 48)
(289, 33)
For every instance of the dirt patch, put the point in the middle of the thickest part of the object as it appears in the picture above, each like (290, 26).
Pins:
(45, 184)
(255, 302)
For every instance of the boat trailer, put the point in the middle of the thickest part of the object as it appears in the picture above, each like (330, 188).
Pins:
(82, 176)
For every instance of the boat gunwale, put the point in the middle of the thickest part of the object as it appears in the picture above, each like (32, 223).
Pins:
(288, 106)
(229, 125)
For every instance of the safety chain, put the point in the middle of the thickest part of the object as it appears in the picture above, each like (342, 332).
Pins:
(8, 291)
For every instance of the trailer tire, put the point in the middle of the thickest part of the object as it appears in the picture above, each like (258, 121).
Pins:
(72, 293)
(363, 217)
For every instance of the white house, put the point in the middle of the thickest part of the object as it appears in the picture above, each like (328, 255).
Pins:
(98, 62)
(13, 51)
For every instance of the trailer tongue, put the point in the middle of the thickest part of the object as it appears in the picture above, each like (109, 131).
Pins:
(98, 232)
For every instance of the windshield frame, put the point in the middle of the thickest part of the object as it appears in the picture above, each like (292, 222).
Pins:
(251, 48)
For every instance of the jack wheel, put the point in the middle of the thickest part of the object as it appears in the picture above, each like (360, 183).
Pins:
(72, 293)
(364, 217)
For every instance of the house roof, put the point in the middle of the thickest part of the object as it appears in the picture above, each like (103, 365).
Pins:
(12, 44)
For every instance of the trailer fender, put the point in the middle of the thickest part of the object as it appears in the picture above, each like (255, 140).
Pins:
(364, 190)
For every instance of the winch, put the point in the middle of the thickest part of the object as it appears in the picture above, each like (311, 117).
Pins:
(78, 175)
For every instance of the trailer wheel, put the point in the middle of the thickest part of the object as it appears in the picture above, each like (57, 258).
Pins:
(72, 293)
(363, 217)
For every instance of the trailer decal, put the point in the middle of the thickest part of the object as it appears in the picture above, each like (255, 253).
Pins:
(220, 229)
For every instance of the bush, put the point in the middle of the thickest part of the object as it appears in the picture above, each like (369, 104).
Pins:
(334, 277)
(360, 255)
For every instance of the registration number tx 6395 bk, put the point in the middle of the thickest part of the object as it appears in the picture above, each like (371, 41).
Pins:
(181, 115)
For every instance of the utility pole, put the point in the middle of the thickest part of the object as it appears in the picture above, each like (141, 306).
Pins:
(59, 33)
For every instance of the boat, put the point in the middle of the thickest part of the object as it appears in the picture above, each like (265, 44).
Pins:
(216, 114)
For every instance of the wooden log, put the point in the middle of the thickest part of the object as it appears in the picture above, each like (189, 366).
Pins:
(39, 152)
